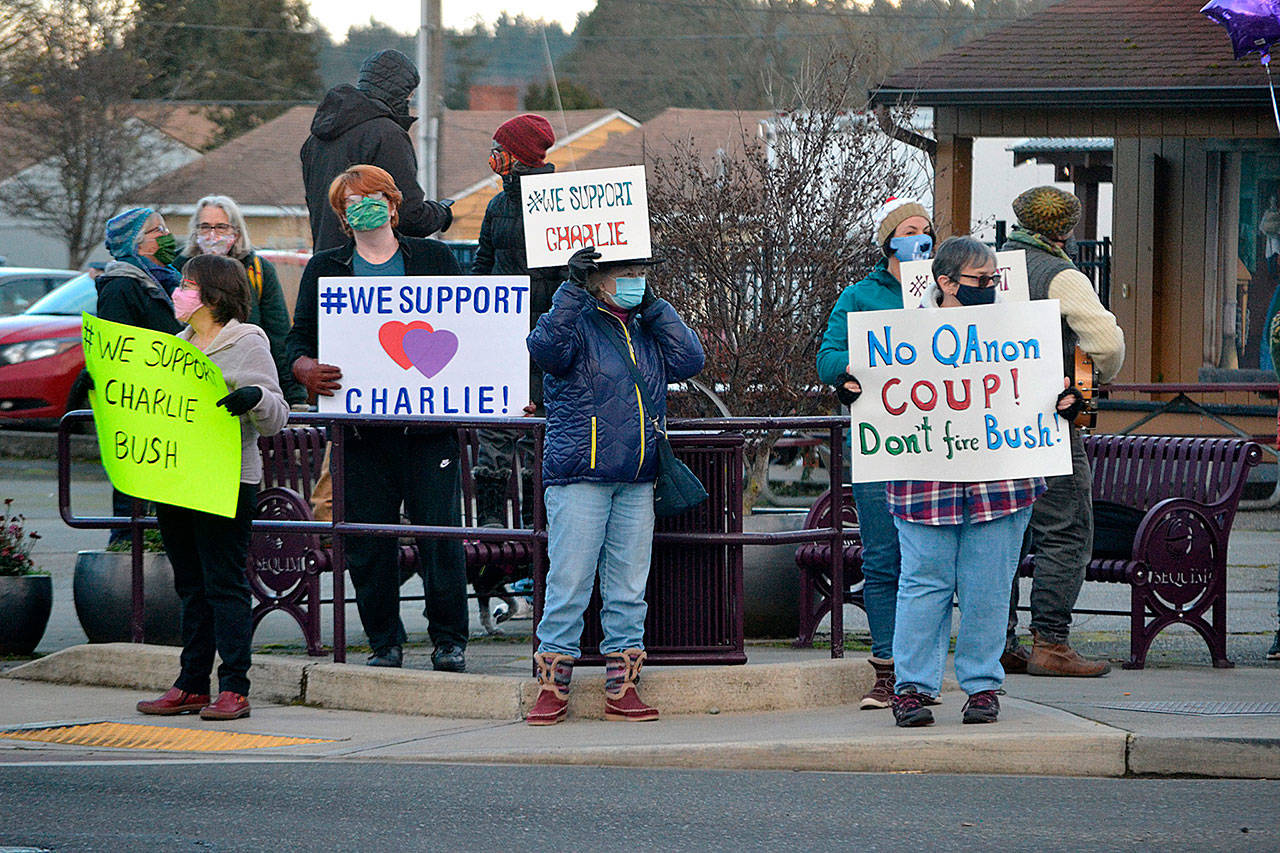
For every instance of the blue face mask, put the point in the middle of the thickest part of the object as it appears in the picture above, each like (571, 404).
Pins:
(917, 247)
(630, 292)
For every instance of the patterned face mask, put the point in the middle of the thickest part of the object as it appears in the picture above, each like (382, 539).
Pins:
(366, 214)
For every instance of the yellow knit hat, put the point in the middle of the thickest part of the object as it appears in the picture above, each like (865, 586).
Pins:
(1047, 210)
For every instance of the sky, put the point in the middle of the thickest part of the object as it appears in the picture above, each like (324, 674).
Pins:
(338, 16)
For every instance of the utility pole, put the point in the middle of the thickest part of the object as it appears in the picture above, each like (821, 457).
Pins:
(430, 64)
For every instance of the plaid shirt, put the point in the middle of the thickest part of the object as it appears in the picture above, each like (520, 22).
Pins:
(930, 502)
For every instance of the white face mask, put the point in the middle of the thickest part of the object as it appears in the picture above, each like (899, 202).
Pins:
(215, 244)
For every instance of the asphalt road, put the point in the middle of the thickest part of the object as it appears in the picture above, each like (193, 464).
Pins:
(230, 805)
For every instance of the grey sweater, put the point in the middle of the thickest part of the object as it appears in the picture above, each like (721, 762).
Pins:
(243, 354)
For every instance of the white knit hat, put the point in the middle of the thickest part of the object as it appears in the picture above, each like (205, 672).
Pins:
(893, 213)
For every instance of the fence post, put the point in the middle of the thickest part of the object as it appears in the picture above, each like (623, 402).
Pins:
(339, 516)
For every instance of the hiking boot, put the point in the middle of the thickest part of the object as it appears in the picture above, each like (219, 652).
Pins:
(554, 673)
(174, 701)
(1060, 659)
(909, 709)
(391, 656)
(1273, 653)
(982, 707)
(621, 701)
(448, 658)
(881, 693)
(1015, 657)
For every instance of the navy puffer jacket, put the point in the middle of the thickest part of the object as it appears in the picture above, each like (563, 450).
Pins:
(597, 430)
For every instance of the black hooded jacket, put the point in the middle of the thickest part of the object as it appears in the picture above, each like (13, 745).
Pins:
(351, 127)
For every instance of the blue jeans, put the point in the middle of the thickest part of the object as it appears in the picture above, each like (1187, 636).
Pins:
(881, 564)
(975, 562)
(605, 528)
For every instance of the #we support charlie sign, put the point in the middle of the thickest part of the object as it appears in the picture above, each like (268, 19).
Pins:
(958, 394)
(566, 211)
(161, 433)
(426, 345)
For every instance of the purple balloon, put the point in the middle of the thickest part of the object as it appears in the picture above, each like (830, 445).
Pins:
(1254, 25)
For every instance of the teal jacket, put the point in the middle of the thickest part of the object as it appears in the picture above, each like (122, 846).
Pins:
(879, 291)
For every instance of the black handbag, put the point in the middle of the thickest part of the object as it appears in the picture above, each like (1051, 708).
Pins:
(676, 489)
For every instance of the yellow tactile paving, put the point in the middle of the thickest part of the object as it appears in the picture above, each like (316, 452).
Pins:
(140, 736)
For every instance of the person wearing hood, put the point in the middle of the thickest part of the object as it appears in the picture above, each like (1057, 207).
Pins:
(368, 123)
(903, 232)
(1062, 520)
(209, 551)
(519, 148)
(135, 289)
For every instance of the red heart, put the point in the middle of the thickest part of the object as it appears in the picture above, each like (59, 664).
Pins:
(391, 336)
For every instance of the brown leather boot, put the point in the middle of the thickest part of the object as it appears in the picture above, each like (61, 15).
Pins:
(552, 704)
(1060, 659)
(621, 701)
(881, 693)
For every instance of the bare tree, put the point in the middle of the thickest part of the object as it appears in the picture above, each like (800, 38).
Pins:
(762, 240)
(68, 121)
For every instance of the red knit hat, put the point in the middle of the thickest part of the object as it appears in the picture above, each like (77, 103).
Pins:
(527, 137)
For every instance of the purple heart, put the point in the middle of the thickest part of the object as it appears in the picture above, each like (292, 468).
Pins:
(430, 351)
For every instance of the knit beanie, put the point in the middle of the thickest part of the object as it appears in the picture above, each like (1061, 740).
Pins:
(527, 137)
(893, 213)
(1047, 210)
(122, 232)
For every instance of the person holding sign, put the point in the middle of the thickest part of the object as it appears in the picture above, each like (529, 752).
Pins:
(1062, 521)
(599, 468)
(903, 232)
(208, 551)
(957, 540)
(388, 466)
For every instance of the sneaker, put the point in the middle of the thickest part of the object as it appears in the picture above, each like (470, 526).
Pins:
(982, 707)
(448, 658)
(1274, 652)
(392, 656)
(909, 709)
(881, 693)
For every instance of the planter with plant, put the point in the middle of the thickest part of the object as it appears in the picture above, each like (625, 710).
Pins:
(26, 594)
(103, 591)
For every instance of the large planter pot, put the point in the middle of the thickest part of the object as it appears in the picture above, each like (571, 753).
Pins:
(25, 603)
(770, 580)
(103, 590)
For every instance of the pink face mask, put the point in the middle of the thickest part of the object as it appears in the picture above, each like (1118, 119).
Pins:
(215, 244)
(185, 303)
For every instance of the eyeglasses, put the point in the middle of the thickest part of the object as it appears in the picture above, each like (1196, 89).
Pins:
(156, 229)
(189, 284)
(352, 199)
(221, 228)
(992, 280)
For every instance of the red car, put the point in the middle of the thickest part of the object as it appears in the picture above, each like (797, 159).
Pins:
(41, 357)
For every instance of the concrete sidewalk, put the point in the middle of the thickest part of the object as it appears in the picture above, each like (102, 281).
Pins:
(795, 711)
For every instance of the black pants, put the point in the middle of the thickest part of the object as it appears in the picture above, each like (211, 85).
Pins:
(209, 553)
(384, 468)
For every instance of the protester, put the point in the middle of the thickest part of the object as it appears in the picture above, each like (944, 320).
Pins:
(368, 123)
(599, 467)
(134, 289)
(387, 466)
(1062, 519)
(903, 232)
(519, 148)
(958, 540)
(208, 552)
(1273, 653)
(218, 228)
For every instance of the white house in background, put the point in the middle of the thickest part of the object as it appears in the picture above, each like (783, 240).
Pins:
(173, 134)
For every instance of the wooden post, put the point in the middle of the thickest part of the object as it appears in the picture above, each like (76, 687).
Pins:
(953, 186)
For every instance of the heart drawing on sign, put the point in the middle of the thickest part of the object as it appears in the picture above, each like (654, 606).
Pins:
(429, 350)
(391, 336)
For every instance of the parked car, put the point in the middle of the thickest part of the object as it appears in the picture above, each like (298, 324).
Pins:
(41, 357)
(20, 287)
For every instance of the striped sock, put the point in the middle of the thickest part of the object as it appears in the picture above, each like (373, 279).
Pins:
(615, 672)
(563, 673)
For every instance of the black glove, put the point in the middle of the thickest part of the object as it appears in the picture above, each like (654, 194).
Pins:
(649, 297)
(581, 264)
(241, 400)
(843, 394)
(1070, 413)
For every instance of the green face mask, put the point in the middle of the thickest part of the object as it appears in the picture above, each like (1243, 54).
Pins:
(166, 249)
(366, 214)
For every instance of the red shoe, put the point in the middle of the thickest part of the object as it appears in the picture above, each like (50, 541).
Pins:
(627, 705)
(174, 702)
(552, 704)
(228, 706)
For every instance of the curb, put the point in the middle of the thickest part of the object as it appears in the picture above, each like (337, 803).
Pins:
(354, 687)
(1216, 757)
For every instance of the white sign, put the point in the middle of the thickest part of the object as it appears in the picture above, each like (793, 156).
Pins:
(1012, 266)
(426, 345)
(566, 211)
(958, 394)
